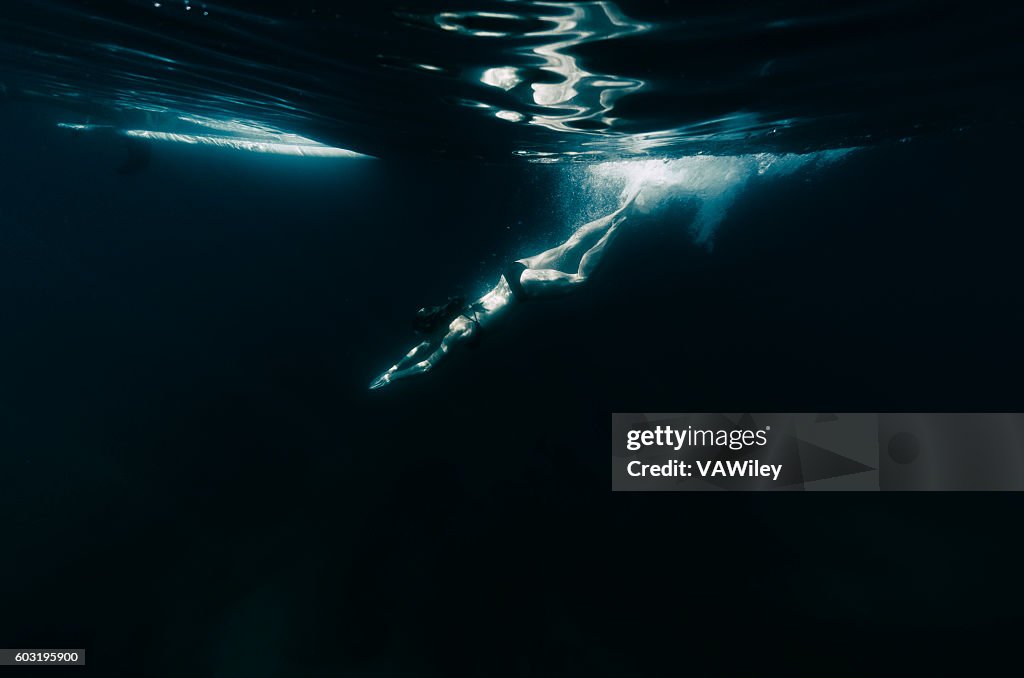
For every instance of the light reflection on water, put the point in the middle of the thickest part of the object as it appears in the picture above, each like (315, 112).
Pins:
(539, 80)
(556, 92)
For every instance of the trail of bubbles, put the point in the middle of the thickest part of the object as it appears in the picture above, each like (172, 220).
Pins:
(711, 183)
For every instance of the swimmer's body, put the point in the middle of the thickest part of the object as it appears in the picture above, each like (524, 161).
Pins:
(528, 278)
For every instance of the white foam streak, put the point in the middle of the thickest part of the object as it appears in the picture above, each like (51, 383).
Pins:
(311, 149)
(713, 183)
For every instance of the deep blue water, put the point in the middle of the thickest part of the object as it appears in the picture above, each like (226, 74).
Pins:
(194, 479)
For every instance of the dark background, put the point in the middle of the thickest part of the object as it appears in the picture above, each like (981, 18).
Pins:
(194, 480)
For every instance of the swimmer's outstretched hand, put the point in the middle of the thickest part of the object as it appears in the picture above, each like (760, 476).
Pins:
(382, 381)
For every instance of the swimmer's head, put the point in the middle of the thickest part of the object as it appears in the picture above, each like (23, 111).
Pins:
(430, 318)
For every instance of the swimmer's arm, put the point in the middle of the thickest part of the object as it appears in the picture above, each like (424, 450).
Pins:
(400, 371)
(407, 360)
(412, 356)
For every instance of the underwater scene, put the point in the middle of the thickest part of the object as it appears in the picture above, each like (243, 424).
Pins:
(315, 314)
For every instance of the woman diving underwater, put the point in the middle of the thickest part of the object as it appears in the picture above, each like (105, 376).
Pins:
(457, 323)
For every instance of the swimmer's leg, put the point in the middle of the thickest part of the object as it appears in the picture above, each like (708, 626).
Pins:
(592, 257)
(549, 281)
(580, 236)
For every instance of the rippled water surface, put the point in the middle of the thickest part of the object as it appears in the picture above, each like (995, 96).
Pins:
(543, 80)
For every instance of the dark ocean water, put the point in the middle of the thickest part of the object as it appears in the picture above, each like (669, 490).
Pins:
(195, 481)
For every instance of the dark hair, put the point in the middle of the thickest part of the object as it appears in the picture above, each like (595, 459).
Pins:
(430, 318)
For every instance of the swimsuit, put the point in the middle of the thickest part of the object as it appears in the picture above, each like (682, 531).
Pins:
(470, 314)
(512, 276)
